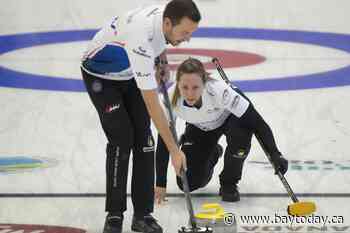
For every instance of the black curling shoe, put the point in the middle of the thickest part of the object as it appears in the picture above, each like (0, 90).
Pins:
(146, 224)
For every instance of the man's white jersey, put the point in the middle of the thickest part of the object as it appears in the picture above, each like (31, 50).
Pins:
(218, 101)
(126, 47)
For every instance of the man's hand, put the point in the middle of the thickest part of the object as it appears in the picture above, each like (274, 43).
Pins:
(157, 115)
(178, 160)
(162, 68)
(162, 73)
(159, 195)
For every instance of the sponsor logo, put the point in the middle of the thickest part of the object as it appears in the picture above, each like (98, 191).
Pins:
(22, 228)
(148, 148)
(153, 12)
(116, 165)
(210, 91)
(113, 25)
(310, 165)
(132, 14)
(96, 86)
(225, 97)
(142, 75)
(188, 143)
(150, 141)
(150, 145)
(240, 154)
(141, 51)
(213, 110)
(235, 102)
(15, 164)
(111, 108)
(122, 74)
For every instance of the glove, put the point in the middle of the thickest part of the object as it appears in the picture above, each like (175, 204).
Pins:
(280, 163)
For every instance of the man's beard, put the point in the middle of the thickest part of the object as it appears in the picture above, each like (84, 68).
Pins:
(170, 42)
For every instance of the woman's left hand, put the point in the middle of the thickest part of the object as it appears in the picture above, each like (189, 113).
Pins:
(159, 195)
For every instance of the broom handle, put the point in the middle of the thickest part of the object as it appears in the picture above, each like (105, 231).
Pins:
(280, 175)
(183, 173)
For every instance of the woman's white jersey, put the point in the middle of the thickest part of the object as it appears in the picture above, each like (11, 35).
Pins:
(218, 101)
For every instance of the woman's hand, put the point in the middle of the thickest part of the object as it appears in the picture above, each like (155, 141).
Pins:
(159, 195)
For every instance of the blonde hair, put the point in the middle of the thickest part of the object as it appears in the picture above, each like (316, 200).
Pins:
(189, 66)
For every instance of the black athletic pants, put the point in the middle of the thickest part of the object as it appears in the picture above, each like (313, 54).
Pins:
(200, 149)
(126, 123)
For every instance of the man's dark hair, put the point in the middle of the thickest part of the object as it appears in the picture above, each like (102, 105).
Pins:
(175, 10)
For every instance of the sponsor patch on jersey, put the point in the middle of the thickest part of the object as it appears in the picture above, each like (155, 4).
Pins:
(153, 12)
(216, 109)
(113, 25)
(210, 90)
(225, 97)
(143, 75)
(141, 51)
(235, 102)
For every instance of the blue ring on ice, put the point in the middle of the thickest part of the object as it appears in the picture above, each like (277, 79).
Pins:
(332, 78)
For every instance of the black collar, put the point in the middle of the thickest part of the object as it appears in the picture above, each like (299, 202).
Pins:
(197, 105)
